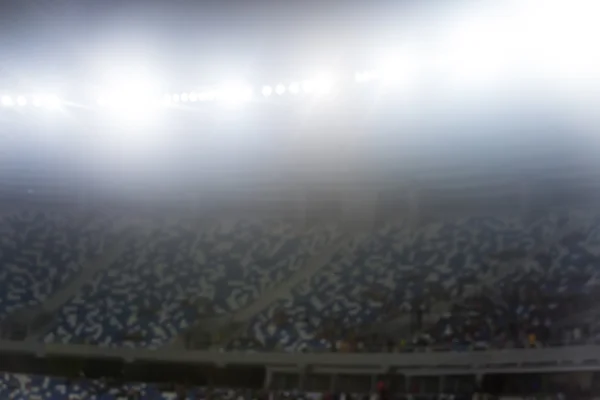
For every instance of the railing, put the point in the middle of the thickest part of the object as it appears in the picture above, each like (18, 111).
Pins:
(572, 358)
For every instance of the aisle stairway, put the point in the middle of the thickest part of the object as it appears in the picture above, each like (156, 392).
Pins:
(227, 327)
(39, 319)
(401, 325)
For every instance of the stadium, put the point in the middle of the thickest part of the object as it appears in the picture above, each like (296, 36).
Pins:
(299, 201)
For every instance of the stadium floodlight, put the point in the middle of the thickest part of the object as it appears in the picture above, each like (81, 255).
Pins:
(37, 101)
(323, 84)
(22, 101)
(133, 108)
(399, 67)
(234, 93)
(267, 91)
(193, 97)
(294, 88)
(131, 84)
(308, 86)
(280, 89)
(184, 97)
(175, 98)
(208, 95)
(51, 101)
(7, 101)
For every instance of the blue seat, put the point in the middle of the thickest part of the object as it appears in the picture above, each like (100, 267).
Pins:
(157, 289)
(434, 263)
(41, 251)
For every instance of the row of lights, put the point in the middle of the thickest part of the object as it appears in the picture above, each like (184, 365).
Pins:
(321, 85)
(239, 92)
(48, 101)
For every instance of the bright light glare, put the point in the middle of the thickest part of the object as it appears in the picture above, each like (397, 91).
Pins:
(7, 101)
(208, 95)
(132, 96)
(234, 93)
(294, 88)
(193, 97)
(568, 56)
(37, 101)
(308, 86)
(22, 101)
(135, 100)
(399, 67)
(477, 52)
(323, 84)
(366, 76)
(109, 101)
(184, 97)
(508, 44)
(175, 98)
(51, 101)
(280, 89)
(267, 91)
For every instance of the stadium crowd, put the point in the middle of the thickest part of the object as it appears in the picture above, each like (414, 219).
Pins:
(465, 283)
(40, 251)
(492, 282)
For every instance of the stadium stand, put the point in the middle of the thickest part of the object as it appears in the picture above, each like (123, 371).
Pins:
(452, 284)
(41, 251)
(39, 387)
(487, 281)
(157, 289)
(21, 386)
(458, 284)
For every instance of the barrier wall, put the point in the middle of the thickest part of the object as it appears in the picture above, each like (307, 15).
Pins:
(572, 358)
